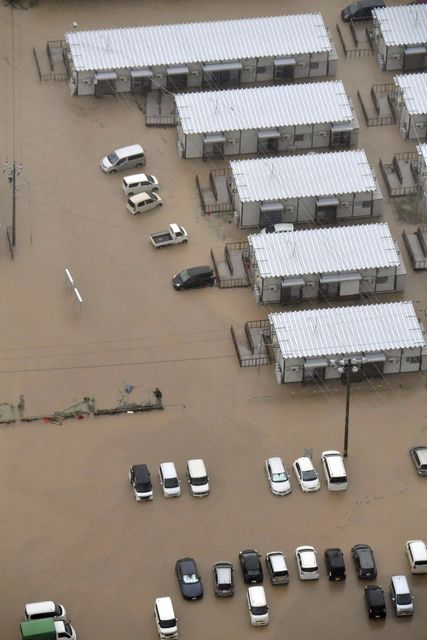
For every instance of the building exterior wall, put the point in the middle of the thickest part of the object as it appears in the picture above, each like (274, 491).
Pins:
(412, 127)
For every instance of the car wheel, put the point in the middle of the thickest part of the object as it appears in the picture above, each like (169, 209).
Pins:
(139, 165)
(113, 171)
(130, 194)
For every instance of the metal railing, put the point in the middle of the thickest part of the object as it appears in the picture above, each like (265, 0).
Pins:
(248, 360)
(47, 77)
(353, 53)
(399, 191)
(376, 121)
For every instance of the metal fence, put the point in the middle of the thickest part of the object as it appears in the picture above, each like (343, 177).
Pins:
(250, 359)
(401, 190)
(48, 77)
(359, 52)
(375, 121)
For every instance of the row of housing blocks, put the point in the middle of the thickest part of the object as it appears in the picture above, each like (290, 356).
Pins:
(283, 117)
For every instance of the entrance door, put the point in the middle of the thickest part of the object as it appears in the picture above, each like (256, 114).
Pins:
(141, 85)
(268, 145)
(412, 62)
(329, 290)
(176, 82)
(290, 294)
(325, 214)
(105, 88)
(213, 150)
(340, 139)
(373, 369)
(268, 218)
(283, 74)
(314, 375)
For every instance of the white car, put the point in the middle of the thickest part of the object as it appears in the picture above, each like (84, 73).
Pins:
(277, 477)
(306, 474)
(169, 480)
(417, 555)
(138, 183)
(142, 202)
(308, 568)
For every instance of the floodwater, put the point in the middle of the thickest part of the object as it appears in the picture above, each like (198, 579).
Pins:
(71, 530)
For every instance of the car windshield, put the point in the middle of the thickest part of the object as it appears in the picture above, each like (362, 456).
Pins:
(259, 611)
(150, 179)
(113, 158)
(199, 481)
(184, 275)
(190, 578)
(143, 486)
(279, 477)
(309, 475)
(167, 624)
(404, 598)
(171, 483)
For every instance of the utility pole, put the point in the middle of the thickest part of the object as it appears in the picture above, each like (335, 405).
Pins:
(13, 170)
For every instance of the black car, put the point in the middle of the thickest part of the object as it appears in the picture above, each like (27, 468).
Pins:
(223, 579)
(189, 580)
(375, 603)
(335, 566)
(361, 10)
(140, 479)
(251, 566)
(363, 557)
(193, 277)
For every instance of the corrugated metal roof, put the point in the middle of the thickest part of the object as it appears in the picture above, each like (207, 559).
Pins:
(422, 150)
(331, 250)
(198, 42)
(313, 174)
(405, 24)
(414, 89)
(263, 107)
(347, 330)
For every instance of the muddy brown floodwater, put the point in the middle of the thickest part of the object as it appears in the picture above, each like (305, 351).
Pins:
(70, 527)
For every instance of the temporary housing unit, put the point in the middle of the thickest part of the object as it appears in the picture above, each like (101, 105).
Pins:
(334, 263)
(208, 54)
(263, 120)
(400, 36)
(321, 187)
(378, 338)
(411, 105)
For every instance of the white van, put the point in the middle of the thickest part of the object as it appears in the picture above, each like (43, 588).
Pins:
(46, 609)
(276, 565)
(335, 473)
(142, 202)
(124, 158)
(258, 607)
(166, 621)
(197, 477)
(401, 596)
(417, 555)
(138, 183)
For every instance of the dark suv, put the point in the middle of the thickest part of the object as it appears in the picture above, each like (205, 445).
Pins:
(251, 566)
(335, 566)
(193, 277)
(140, 479)
(375, 603)
(363, 557)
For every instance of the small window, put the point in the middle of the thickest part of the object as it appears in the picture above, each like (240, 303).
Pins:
(299, 137)
(314, 65)
(261, 69)
(366, 204)
(413, 359)
(382, 279)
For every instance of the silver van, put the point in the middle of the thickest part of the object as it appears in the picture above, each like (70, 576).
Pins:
(138, 183)
(166, 622)
(258, 607)
(45, 609)
(334, 470)
(276, 565)
(401, 596)
(197, 477)
(124, 158)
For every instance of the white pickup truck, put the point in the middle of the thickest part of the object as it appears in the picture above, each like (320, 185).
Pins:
(174, 235)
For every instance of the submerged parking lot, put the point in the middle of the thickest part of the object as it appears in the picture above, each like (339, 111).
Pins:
(72, 530)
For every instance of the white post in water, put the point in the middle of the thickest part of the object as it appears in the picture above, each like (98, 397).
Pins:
(78, 297)
(69, 282)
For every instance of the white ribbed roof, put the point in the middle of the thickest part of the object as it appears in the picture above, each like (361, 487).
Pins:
(263, 107)
(347, 330)
(198, 42)
(422, 150)
(331, 250)
(414, 89)
(313, 174)
(404, 24)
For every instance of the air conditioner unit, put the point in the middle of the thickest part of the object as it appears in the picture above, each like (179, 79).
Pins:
(195, 73)
(302, 64)
(248, 69)
(344, 205)
(290, 208)
(420, 125)
(323, 134)
(159, 75)
(396, 56)
(286, 136)
(123, 78)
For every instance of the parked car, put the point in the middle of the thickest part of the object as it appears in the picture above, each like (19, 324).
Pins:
(142, 202)
(140, 479)
(375, 603)
(124, 158)
(45, 609)
(361, 10)
(308, 568)
(279, 227)
(306, 474)
(335, 565)
(364, 561)
(169, 480)
(258, 607)
(175, 234)
(251, 566)
(416, 551)
(223, 577)
(198, 479)
(138, 183)
(166, 622)
(401, 597)
(193, 277)
(276, 565)
(419, 456)
(189, 579)
(334, 470)
(277, 477)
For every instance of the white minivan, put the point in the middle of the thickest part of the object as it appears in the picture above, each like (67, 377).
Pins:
(45, 609)
(401, 596)
(166, 622)
(417, 555)
(138, 183)
(197, 477)
(335, 473)
(258, 607)
(142, 202)
(124, 158)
